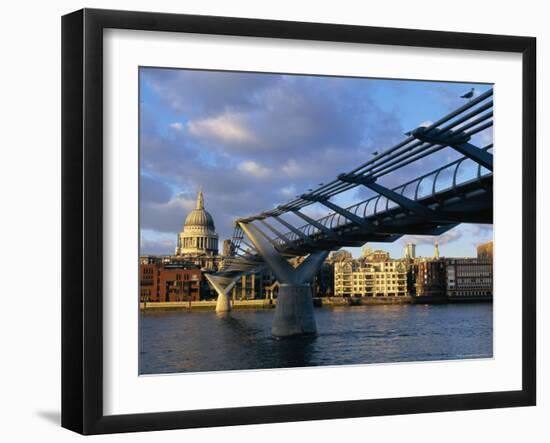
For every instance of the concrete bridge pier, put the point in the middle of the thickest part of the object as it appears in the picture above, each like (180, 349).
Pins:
(294, 314)
(222, 286)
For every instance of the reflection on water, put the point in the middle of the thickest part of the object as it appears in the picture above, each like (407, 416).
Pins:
(179, 341)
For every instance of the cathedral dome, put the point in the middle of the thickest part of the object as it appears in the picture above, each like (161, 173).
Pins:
(200, 217)
(198, 236)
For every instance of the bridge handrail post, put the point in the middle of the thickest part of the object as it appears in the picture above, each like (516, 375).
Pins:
(456, 172)
(376, 205)
(435, 180)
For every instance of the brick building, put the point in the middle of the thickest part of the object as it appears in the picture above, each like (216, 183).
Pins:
(429, 278)
(169, 283)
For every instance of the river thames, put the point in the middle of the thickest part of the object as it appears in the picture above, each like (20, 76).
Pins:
(182, 341)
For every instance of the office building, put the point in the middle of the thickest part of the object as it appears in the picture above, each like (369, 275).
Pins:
(469, 279)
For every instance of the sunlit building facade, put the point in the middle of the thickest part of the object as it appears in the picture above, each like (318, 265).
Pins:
(485, 251)
(375, 275)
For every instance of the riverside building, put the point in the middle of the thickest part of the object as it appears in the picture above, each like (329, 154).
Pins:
(170, 283)
(428, 276)
(373, 275)
(469, 279)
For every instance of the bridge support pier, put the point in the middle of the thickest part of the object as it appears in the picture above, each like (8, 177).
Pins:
(222, 286)
(294, 314)
(223, 302)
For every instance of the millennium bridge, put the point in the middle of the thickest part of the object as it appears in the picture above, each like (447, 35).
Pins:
(432, 203)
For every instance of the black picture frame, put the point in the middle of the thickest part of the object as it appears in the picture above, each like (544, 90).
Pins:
(82, 218)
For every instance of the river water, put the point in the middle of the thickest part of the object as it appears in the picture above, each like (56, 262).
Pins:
(180, 341)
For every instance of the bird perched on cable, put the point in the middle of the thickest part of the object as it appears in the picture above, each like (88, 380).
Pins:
(375, 153)
(468, 95)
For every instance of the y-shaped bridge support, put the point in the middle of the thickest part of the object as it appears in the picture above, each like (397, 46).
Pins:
(294, 309)
(222, 286)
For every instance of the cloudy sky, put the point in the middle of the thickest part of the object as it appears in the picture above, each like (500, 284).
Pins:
(254, 141)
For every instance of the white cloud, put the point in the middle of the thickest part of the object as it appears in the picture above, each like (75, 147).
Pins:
(228, 127)
(166, 216)
(177, 126)
(157, 245)
(292, 168)
(257, 170)
(288, 191)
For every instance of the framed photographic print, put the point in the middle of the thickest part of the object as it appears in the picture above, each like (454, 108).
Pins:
(269, 221)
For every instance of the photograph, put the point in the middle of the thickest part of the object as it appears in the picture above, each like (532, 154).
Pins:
(271, 222)
(300, 220)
